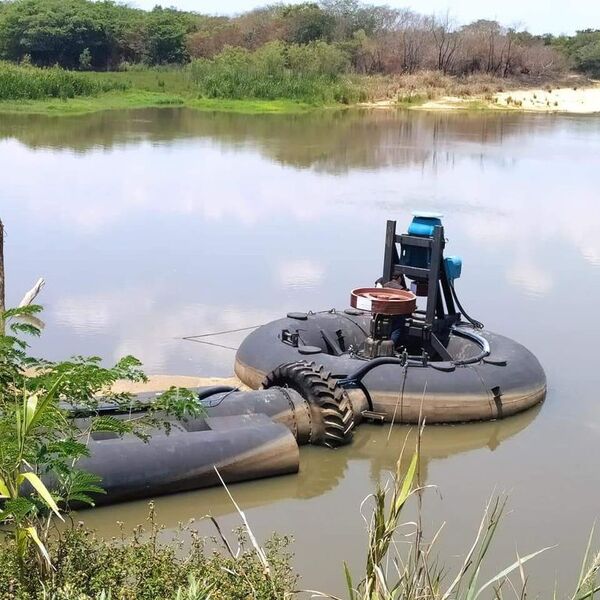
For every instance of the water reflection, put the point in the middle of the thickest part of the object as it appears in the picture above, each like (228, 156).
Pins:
(322, 471)
(153, 225)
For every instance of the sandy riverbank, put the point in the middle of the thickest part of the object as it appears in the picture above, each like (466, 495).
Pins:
(560, 100)
(160, 383)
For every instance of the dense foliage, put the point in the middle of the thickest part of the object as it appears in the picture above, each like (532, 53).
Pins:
(40, 442)
(31, 83)
(311, 73)
(583, 50)
(138, 566)
(105, 35)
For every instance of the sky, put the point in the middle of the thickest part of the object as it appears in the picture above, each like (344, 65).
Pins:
(538, 16)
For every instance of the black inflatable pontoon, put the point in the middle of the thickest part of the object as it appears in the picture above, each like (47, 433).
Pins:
(398, 363)
(321, 373)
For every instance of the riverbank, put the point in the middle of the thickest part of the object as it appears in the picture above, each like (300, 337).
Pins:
(161, 383)
(561, 100)
(28, 90)
(136, 99)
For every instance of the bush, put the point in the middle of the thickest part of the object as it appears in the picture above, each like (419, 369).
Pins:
(312, 73)
(139, 567)
(24, 82)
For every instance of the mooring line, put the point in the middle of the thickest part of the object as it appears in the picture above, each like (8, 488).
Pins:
(204, 335)
(211, 344)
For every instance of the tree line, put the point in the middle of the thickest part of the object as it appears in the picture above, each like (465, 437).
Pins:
(104, 35)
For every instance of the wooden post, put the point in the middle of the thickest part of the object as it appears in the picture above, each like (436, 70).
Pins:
(2, 298)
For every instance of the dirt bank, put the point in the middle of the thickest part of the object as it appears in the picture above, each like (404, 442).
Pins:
(575, 100)
(560, 100)
(159, 383)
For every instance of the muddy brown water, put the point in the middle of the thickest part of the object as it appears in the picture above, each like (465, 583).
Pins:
(157, 224)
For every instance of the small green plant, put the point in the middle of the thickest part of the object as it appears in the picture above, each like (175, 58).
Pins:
(416, 574)
(40, 443)
(143, 565)
(85, 60)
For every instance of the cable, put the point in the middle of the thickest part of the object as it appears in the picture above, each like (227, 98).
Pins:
(205, 404)
(211, 344)
(203, 335)
(477, 324)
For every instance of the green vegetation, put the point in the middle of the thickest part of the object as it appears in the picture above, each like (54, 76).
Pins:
(583, 50)
(39, 443)
(139, 566)
(311, 73)
(32, 83)
(276, 77)
(280, 57)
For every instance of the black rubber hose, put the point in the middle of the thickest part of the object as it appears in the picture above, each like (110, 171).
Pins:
(477, 324)
(355, 378)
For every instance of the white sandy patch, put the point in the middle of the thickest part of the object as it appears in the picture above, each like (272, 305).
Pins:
(447, 103)
(563, 100)
(566, 100)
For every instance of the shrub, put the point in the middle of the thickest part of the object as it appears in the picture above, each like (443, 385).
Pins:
(138, 566)
(311, 73)
(25, 82)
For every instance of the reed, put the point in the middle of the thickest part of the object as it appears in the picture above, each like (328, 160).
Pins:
(417, 572)
(315, 73)
(24, 82)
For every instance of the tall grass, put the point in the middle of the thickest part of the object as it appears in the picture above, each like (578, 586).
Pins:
(417, 574)
(23, 82)
(315, 73)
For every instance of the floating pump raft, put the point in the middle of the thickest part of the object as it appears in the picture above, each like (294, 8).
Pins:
(316, 376)
(397, 362)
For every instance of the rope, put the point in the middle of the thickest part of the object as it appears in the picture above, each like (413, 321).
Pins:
(211, 344)
(204, 335)
(400, 399)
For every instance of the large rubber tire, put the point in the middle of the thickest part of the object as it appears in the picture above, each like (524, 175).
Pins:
(332, 418)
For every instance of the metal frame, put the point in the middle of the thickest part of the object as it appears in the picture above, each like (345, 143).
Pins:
(440, 314)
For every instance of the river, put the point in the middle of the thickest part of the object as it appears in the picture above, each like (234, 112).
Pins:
(153, 225)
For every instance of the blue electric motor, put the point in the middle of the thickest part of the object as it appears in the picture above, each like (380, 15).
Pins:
(423, 225)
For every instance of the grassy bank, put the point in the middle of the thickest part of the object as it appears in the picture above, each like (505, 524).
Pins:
(274, 78)
(135, 99)
(266, 82)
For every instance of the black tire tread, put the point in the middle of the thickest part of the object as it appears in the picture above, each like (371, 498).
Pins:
(326, 400)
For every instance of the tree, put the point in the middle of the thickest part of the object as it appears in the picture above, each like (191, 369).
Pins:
(446, 41)
(166, 31)
(306, 23)
(53, 31)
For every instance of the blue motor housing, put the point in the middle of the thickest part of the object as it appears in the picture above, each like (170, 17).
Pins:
(422, 225)
(453, 266)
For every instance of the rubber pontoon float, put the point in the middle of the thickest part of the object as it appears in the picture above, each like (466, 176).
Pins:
(396, 362)
(244, 434)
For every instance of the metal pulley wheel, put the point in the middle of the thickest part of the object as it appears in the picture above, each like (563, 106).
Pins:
(384, 301)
